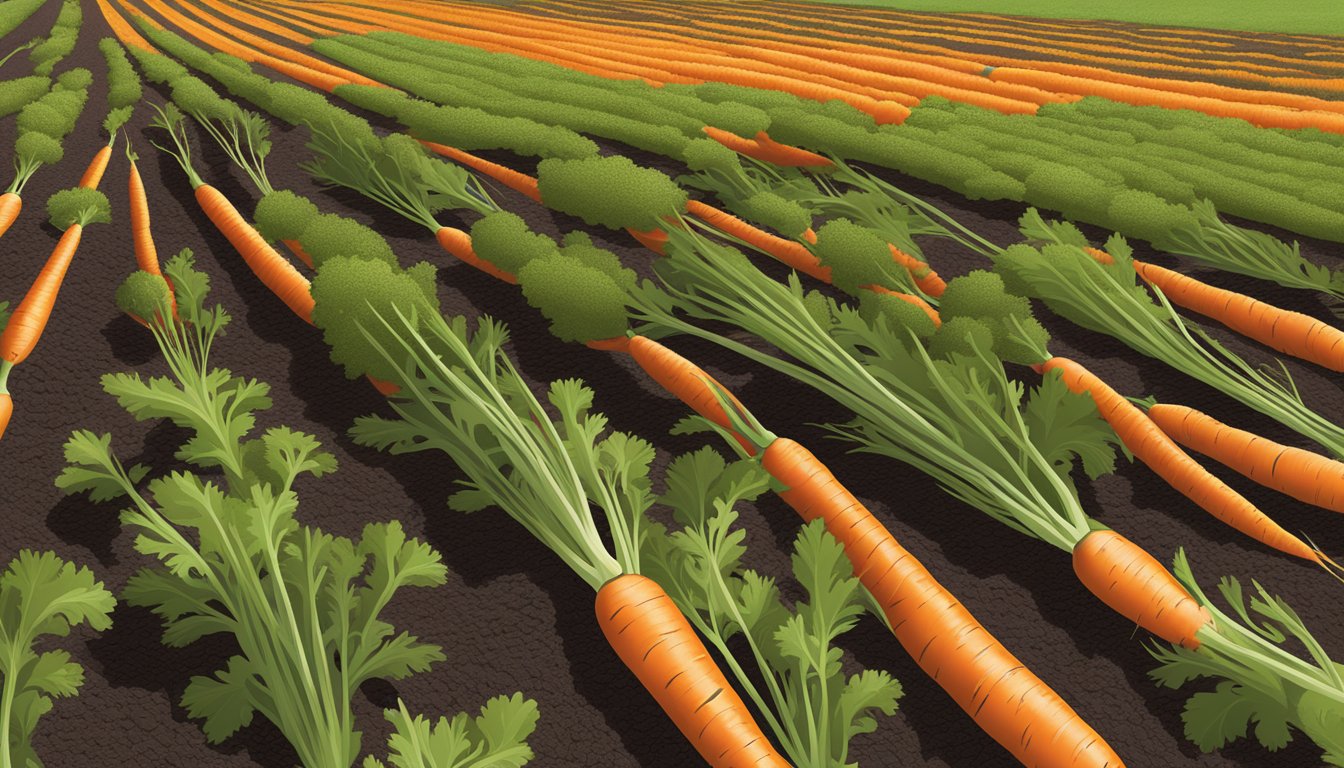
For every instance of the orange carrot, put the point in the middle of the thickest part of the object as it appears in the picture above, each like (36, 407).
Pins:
(146, 255)
(518, 182)
(122, 29)
(909, 299)
(6, 411)
(458, 243)
(767, 150)
(274, 270)
(1145, 440)
(30, 319)
(10, 205)
(296, 248)
(1134, 584)
(1292, 333)
(93, 175)
(928, 281)
(790, 252)
(656, 642)
(384, 387)
(1304, 475)
(1012, 705)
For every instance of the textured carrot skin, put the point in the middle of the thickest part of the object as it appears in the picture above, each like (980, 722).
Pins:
(687, 381)
(1003, 697)
(458, 243)
(929, 281)
(909, 299)
(30, 319)
(1291, 333)
(790, 252)
(296, 248)
(146, 255)
(6, 411)
(93, 175)
(515, 180)
(1134, 584)
(1162, 455)
(274, 270)
(656, 642)
(1304, 475)
(10, 205)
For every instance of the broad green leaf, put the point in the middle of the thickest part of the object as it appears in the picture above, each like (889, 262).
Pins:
(1063, 425)
(226, 701)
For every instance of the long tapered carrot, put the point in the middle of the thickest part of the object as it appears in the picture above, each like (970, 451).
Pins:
(142, 238)
(1151, 445)
(1010, 703)
(296, 248)
(656, 642)
(1291, 333)
(10, 206)
(1134, 584)
(790, 252)
(767, 150)
(30, 319)
(515, 180)
(908, 298)
(270, 267)
(1304, 475)
(93, 174)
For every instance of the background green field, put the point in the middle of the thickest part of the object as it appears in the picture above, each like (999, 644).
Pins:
(1318, 17)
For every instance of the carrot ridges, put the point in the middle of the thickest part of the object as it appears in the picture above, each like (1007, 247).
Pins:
(656, 642)
(1134, 584)
(1303, 475)
(1152, 446)
(987, 681)
(270, 267)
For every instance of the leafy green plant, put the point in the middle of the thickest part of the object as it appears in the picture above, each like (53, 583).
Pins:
(302, 605)
(812, 707)
(492, 739)
(41, 596)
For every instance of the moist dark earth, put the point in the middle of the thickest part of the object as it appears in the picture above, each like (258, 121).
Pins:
(512, 617)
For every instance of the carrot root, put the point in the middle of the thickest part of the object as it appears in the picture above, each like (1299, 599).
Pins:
(687, 382)
(1135, 585)
(10, 205)
(458, 243)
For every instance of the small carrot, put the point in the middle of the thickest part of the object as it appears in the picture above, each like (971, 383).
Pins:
(30, 318)
(146, 255)
(928, 281)
(1010, 703)
(274, 270)
(6, 411)
(1145, 440)
(93, 174)
(656, 642)
(790, 252)
(1291, 333)
(1306, 476)
(1134, 584)
(458, 243)
(767, 150)
(296, 248)
(518, 182)
(10, 206)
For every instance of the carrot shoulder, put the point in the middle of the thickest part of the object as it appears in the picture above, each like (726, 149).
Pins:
(1152, 446)
(656, 642)
(1306, 476)
(1009, 702)
(1134, 584)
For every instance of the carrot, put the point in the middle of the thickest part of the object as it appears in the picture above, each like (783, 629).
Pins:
(683, 379)
(656, 642)
(10, 206)
(653, 239)
(1145, 440)
(6, 411)
(1134, 584)
(1010, 703)
(274, 270)
(458, 243)
(146, 255)
(1292, 333)
(1304, 475)
(767, 150)
(296, 248)
(928, 281)
(30, 319)
(518, 182)
(93, 175)
(909, 299)
(791, 253)
(122, 29)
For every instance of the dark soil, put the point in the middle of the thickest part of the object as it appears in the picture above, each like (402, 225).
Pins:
(512, 617)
